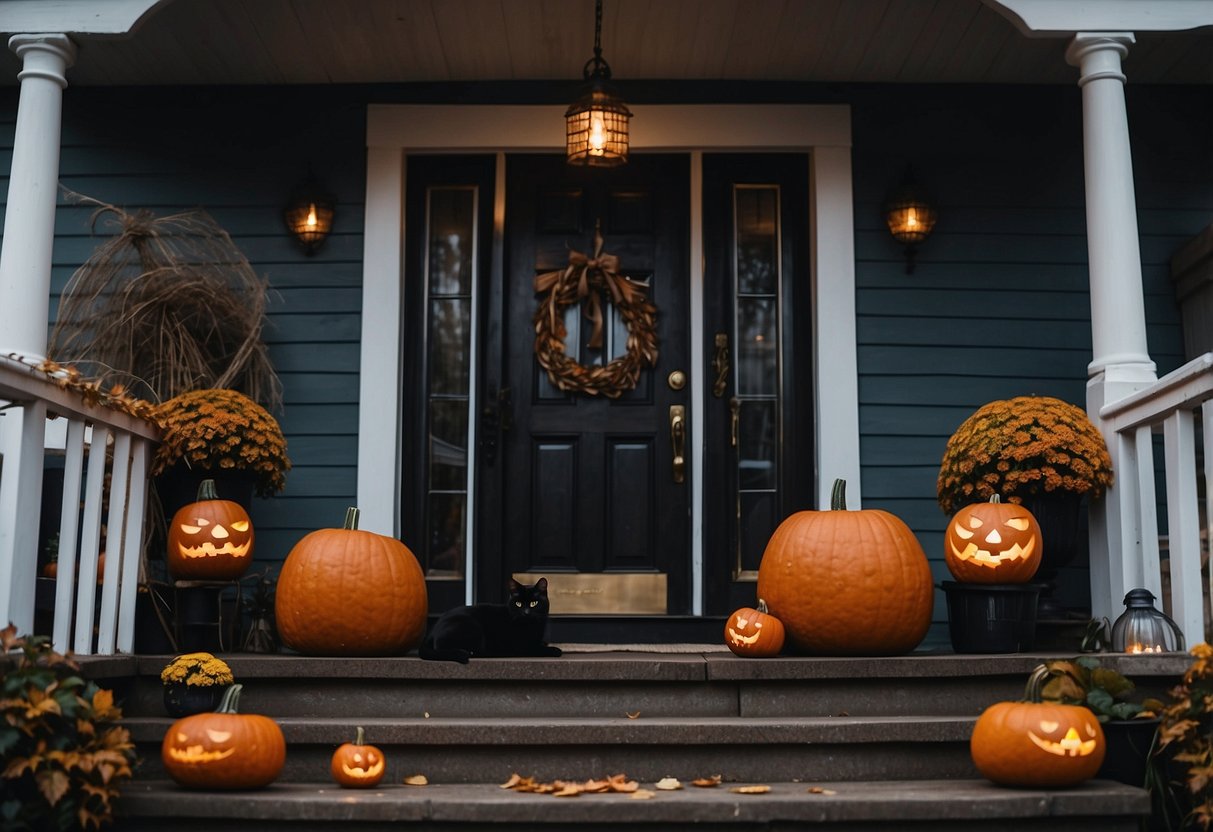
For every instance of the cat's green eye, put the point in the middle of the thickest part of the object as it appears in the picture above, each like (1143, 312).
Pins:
(534, 603)
(518, 603)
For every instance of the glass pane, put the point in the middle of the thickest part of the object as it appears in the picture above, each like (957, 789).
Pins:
(446, 544)
(757, 525)
(757, 240)
(451, 236)
(757, 353)
(448, 445)
(757, 452)
(450, 346)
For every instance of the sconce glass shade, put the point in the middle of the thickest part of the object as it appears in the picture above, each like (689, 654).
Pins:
(910, 217)
(309, 216)
(596, 128)
(1144, 629)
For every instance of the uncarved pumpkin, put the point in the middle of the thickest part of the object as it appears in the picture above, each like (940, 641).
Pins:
(210, 539)
(754, 632)
(357, 765)
(346, 592)
(993, 543)
(224, 749)
(847, 583)
(1035, 743)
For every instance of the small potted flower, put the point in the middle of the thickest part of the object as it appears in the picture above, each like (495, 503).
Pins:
(218, 434)
(194, 683)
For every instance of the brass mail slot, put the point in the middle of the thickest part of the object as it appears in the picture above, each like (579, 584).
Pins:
(603, 593)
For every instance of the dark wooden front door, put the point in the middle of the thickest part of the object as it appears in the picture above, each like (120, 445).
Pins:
(585, 485)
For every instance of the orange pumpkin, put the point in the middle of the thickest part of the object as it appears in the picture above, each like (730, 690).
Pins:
(993, 543)
(357, 766)
(345, 592)
(210, 539)
(224, 749)
(847, 583)
(1035, 743)
(754, 633)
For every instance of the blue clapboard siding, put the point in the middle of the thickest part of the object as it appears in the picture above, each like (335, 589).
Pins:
(998, 305)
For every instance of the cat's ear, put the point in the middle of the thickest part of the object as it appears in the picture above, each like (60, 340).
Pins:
(542, 584)
(512, 586)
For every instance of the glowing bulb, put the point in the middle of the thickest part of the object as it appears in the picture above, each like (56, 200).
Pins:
(598, 137)
(912, 218)
(311, 216)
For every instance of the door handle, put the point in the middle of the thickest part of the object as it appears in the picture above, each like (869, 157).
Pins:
(678, 436)
(734, 419)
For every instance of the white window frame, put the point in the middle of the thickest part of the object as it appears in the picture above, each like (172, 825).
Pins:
(823, 132)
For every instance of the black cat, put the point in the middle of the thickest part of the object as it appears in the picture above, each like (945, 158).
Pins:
(515, 628)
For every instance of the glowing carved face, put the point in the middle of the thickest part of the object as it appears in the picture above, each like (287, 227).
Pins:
(362, 766)
(993, 542)
(193, 751)
(1072, 744)
(754, 632)
(356, 765)
(741, 625)
(203, 539)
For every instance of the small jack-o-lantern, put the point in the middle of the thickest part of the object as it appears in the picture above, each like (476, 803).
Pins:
(210, 539)
(1035, 743)
(224, 749)
(754, 633)
(358, 766)
(993, 543)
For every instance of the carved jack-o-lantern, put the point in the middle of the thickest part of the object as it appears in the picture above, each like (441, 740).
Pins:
(210, 539)
(754, 632)
(224, 749)
(357, 766)
(1035, 743)
(993, 543)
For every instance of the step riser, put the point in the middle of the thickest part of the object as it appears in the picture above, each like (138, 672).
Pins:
(737, 763)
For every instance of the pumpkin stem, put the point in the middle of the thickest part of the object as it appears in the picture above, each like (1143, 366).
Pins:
(838, 496)
(206, 491)
(996, 498)
(762, 607)
(230, 700)
(351, 518)
(1036, 682)
(359, 736)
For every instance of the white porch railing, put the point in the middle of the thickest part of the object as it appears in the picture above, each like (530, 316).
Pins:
(100, 442)
(1176, 404)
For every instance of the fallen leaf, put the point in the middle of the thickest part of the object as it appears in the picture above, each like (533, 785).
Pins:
(621, 783)
(514, 780)
(567, 790)
(668, 784)
(632, 715)
(707, 782)
(820, 790)
(543, 788)
(750, 789)
(597, 786)
(416, 780)
(642, 794)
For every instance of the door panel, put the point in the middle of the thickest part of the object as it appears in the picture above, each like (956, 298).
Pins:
(758, 325)
(585, 483)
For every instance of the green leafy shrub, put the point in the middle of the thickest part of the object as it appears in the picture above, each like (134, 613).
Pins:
(64, 752)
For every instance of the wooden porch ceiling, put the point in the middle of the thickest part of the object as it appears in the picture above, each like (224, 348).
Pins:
(398, 41)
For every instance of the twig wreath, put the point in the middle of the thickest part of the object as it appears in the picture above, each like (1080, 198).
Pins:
(583, 281)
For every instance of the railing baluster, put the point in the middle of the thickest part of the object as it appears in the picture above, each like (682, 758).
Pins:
(90, 539)
(132, 544)
(20, 502)
(1148, 572)
(1183, 526)
(107, 629)
(69, 533)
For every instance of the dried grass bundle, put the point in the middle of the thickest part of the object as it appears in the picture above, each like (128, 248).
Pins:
(168, 304)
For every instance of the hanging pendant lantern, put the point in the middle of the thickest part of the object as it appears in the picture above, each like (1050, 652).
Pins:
(596, 124)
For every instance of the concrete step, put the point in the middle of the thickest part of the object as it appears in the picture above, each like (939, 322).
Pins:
(471, 750)
(918, 806)
(707, 684)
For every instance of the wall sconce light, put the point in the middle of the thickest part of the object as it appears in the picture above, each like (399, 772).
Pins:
(596, 124)
(910, 217)
(309, 215)
(1143, 629)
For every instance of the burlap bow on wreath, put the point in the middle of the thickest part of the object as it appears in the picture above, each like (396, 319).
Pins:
(582, 281)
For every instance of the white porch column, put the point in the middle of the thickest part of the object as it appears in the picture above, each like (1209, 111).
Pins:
(1120, 362)
(29, 227)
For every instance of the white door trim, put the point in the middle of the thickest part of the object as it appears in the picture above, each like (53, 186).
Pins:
(822, 131)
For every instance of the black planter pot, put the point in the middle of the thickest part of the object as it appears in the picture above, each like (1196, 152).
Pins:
(991, 618)
(1128, 743)
(181, 699)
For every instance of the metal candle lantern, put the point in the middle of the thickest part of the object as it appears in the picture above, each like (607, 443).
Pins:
(1143, 629)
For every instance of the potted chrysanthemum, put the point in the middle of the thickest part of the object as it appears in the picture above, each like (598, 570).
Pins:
(194, 683)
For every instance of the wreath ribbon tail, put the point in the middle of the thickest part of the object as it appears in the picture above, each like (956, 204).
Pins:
(594, 313)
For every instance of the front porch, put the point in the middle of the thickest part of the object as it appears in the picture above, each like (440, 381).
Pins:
(854, 744)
